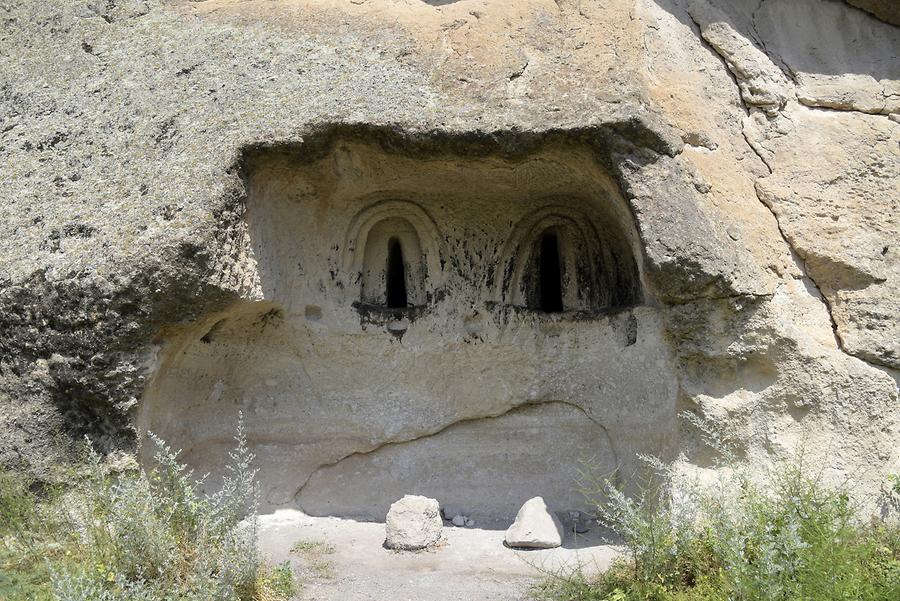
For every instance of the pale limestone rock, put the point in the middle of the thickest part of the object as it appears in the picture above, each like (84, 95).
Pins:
(481, 484)
(886, 10)
(837, 58)
(830, 177)
(535, 527)
(169, 259)
(413, 523)
(761, 82)
(846, 92)
(851, 255)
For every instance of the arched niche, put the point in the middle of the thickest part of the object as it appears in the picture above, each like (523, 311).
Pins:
(394, 247)
(393, 266)
(557, 260)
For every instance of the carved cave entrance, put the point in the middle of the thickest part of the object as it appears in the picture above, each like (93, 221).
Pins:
(462, 328)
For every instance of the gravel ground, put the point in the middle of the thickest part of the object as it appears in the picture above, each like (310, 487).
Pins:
(344, 560)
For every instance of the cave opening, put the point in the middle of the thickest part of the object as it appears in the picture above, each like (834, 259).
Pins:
(550, 275)
(396, 276)
(455, 303)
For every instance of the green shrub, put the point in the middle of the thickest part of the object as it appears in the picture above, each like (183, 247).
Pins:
(27, 538)
(17, 504)
(781, 536)
(141, 535)
(276, 583)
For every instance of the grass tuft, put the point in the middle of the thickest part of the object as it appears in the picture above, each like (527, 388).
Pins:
(313, 553)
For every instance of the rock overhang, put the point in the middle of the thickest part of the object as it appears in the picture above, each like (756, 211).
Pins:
(327, 386)
(192, 269)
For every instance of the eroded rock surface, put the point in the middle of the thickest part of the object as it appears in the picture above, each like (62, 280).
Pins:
(488, 466)
(191, 189)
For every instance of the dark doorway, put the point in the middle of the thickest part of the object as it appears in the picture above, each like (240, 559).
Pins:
(396, 276)
(550, 277)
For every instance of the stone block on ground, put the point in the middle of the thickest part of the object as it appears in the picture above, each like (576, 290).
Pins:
(535, 527)
(413, 523)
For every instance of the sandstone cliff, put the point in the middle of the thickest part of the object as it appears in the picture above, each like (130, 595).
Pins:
(748, 152)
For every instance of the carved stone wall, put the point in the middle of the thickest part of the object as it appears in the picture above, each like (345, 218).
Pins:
(190, 187)
(351, 402)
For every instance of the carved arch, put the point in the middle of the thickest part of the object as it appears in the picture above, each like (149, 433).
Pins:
(387, 225)
(597, 268)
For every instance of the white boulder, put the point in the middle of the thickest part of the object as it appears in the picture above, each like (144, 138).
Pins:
(535, 527)
(413, 523)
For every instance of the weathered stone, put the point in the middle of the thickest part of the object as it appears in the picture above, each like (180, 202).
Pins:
(761, 82)
(479, 482)
(167, 259)
(413, 523)
(856, 71)
(851, 256)
(535, 527)
(887, 10)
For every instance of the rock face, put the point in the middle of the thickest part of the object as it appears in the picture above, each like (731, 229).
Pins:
(499, 238)
(413, 523)
(535, 527)
(467, 466)
(886, 10)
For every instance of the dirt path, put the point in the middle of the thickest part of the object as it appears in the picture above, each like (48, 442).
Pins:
(344, 560)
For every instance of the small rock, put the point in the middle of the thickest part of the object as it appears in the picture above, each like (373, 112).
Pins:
(470, 523)
(458, 520)
(535, 527)
(413, 523)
